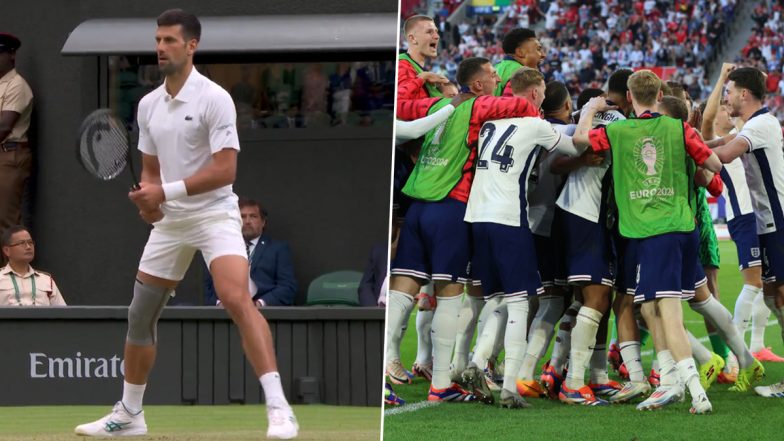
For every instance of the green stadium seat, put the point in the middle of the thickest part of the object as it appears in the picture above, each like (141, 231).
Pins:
(337, 288)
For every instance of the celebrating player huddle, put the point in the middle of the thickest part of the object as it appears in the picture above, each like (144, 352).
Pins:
(521, 218)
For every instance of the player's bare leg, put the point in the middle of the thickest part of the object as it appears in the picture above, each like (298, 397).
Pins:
(774, 299)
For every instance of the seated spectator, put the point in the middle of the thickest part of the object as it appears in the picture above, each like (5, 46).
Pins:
(20, 284)
(376, 272)
(272, 281)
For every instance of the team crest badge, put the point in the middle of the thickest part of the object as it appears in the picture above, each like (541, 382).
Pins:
(755, 252)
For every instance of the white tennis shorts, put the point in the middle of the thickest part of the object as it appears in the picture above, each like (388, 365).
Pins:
(172, 243)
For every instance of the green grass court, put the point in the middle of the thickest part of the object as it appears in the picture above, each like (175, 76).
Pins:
(193, 423)
(736, 416)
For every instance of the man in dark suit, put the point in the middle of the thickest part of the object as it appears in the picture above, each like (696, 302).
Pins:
(375, 273)
(272, 281)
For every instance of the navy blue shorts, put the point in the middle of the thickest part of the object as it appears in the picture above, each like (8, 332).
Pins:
(589, 253)
(504, 261)
(743, 231)
(668, 263)
(435, 242)
(772, 245)
(547, 257)
(699, 280)
(626, 268)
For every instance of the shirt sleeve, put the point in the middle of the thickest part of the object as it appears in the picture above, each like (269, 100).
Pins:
(507, 90)
(408, 83)
(409, 110)
(715, 186)
(599, 140)
(17, 97)
(547, 136)
(221, 119)
(694, 145)
(56, 298)
(753, 135)
(493, 107)
(405, 130)
(146, 145)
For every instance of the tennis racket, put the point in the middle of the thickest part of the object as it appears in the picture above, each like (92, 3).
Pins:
(104, 146)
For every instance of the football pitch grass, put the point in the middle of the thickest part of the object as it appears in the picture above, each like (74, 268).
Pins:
(193, 423)
(736, 416)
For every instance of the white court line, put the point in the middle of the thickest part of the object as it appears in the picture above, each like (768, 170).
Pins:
(410, 407)
(704, 339)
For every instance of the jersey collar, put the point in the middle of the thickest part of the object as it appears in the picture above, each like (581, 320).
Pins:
(190, 89)
(759, 112)
(556, 121)
(648, 114)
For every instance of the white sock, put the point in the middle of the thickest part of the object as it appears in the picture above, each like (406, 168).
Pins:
(583, 339)
(667, 369)
(563, 339)
(399, 306)
(690, 377)
(486, 340)
(443, 335)
(498, 346)
(273, 390)
(721, 319)
(759, 321)
(514, 341)
(630, 352)
(701, 354)
(550, 310)
(424, 319)
(770, 302)
(466, 324)
(133, 394)
(744, 305)
(598, 365)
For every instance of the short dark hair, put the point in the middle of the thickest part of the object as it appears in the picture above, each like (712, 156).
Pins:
(10, 231)
(678, 90)
(413, 20)
(469, 68)
(587, 94)
(617, 81)
(515, 38)
(675, 107)
(191, 27)
(555, 95)
(749, 78)
(247, 202)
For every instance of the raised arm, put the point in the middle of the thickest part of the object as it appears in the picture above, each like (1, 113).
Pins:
(714, 101)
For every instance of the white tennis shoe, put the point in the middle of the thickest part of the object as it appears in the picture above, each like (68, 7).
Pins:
(282, 422)
(120, 422)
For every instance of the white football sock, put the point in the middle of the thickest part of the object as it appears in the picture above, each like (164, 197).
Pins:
(721, 319)
(690, 377)
(486, 340)
(443, 335)
(743, 306)
(466, 324)
(701, 354)
(563, 339)
(424, 319)
(598, 365)
(667, 369)
(759, 321)
(133, 394)
(583, 339)
(540, 334)
(273, 390)
(399, 306)
(770, 302)
(514, 341)
(630, 352)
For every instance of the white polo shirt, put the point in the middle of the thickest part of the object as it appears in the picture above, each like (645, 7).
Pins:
(764, 164)
(184, 132)
(736, 190)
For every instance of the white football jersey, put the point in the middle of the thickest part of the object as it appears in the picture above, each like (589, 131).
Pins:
(507, 153)
(582, 194)
(543, 188)
(764, 164)
(736, 190)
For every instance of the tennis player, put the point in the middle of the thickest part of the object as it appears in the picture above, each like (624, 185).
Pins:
(188, 137)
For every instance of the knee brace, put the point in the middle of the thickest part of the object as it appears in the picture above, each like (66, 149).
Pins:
(143, 314)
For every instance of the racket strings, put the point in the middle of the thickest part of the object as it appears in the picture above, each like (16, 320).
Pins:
(103, 147)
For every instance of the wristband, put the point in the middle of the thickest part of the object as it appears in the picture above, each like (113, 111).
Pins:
(174, 190)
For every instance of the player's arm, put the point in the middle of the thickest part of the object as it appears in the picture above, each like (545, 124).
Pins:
(582, 134)
(730, 148)
(409, 110)
(566, 164)
(151, 169)
(489, 107)
(407, 130)
(714, 101)
(702, 155)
